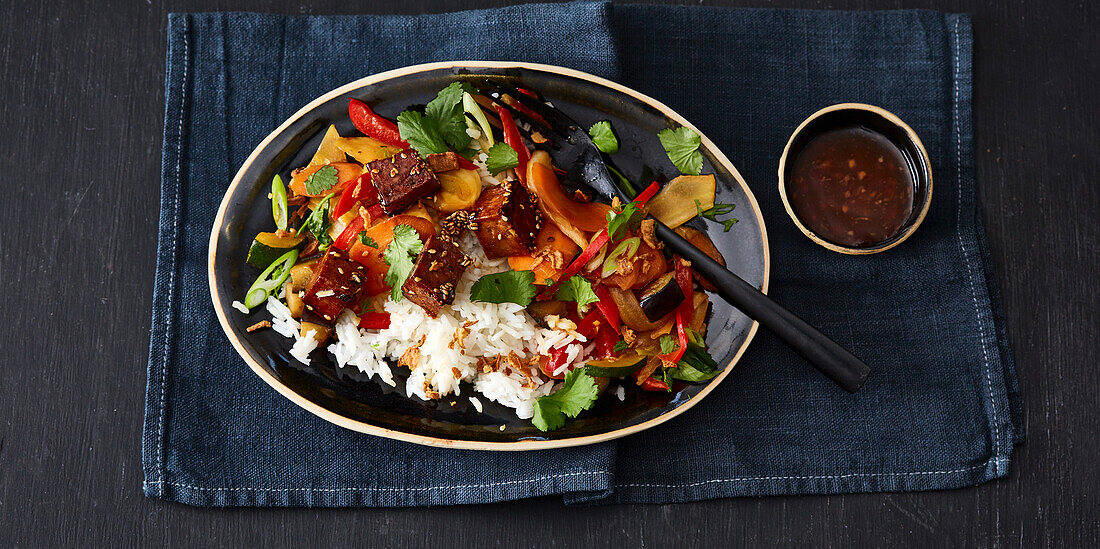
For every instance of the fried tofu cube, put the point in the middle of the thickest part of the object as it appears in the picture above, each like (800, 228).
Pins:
(507, 221)
(335, 285)
(401, 180)
(438, 267)
(443, 162)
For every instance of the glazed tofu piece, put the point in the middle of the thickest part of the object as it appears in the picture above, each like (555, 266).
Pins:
(438, 267)
(401, 180)
(443, 162)
(507, 220)
(335, 285)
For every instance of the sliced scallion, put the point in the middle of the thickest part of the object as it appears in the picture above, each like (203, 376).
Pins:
(625, 250)
(473, 109)
(278, 202)
(271, 279)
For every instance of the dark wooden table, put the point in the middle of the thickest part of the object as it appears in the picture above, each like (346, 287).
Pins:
(81, 113)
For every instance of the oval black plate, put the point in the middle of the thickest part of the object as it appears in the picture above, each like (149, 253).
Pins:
(346, 397)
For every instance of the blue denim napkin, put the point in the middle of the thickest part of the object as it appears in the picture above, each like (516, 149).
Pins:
(940, 410)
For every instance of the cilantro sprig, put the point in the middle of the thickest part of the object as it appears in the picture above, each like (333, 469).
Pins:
(322, 180)
(318, 222)
(501, 157)
(668, 344)
(576, 394)
(442, 125)
(505, 287)
(619, 223)
(578, 289)
(366, 240)
(400, 255)
(682, 146)
(604, 137)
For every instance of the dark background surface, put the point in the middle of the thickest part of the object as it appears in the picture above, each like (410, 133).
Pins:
(81, 109)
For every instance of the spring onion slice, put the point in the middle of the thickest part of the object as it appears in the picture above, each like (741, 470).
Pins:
(269, 280)
(625, 250)
(278, 202)
(474, 110)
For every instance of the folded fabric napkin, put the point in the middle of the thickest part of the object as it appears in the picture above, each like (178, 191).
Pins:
(940, 410)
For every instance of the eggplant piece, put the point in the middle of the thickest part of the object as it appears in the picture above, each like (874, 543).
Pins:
(661, 297)
(321, 328)
(539, 310)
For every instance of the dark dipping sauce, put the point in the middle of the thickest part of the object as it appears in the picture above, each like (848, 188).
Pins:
(851, 186)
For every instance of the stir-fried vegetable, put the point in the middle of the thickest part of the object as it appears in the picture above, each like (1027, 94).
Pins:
(461, 189)
(515, 141)
(474, 110)
(624, 251)
(269, 280)
(372, 125)
(328, 151)
(278, 202)
(676, 203)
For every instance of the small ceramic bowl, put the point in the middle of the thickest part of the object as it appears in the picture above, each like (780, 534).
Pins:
(877, 120)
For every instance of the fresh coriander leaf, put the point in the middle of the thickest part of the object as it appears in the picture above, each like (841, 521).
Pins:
(668, 344)
(689, 373)
(322, 180)
(549, 281)
(696, 365)
(366, 240)
(400, 255)
(421, 133)
(577, 289)
(446, 111)
(682, 146)
(622, 222)
(506, 287)
(442, 125)
(604, 137)
(577, 393)
(318, 222)
(501, 157)
(713, 212)
(621, 346)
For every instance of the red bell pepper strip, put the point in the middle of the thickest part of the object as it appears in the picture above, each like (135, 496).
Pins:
(375, 126)
(654, 384)
(347, 236)
(683, 312)
(362, 191)
(374, 321)
(527, 111)
(513, 139)
(645, 195)
(589, 325)
(575, 267)
(607, 306)
(605, 341)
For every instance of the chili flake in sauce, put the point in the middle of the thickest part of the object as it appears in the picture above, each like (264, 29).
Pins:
(851, 186)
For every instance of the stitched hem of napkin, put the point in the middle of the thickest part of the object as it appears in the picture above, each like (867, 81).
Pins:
(582, 485)
(177, 66)
(797, 485)
(997, 405)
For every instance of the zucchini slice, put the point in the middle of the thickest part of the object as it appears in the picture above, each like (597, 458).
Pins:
(267, 247)
(615, 367)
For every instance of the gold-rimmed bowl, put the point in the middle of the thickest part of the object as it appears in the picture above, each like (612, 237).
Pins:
(347, 398)
(882, 122)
